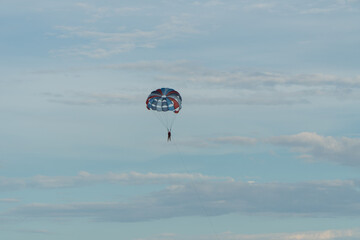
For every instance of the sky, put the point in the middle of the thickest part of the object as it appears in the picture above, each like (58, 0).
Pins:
(265, 147)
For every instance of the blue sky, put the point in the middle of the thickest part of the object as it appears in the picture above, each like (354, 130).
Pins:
(265, 147)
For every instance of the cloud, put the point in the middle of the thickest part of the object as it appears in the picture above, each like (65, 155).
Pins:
(344, 150)
(235, 140)
(304, 199)
(137, 97)
(9, 200)
(101, 44)
(309, 235)
(34, 231)
(97, 13)
(83, 98)
(205, 86)
(187, 71)
(86, 179)
(269, 79)
(311, 146)
(213, 142)
(182, 67)
(289, 7)
(260, 6)
(330, 234)
(256, 99)
(162, 236)
(330, 7)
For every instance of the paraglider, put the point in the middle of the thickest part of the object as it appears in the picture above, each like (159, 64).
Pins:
(166, 103)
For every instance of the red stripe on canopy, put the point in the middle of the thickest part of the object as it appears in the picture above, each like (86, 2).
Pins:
(176, 104)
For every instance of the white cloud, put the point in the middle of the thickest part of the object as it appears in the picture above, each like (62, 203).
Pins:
(311, 235)
(34, 231)
(307, 199)
(101, 44)
(330, 234)
(97, 13)
(327, 7)
(94, 50)
(311, 146)
(182, 67)
(205, 86)
(342, 150)
(260, 6)
(187, 71)
(292, 7)
(82, 98)
(216, 141)
(235, 140)
(9, 200)
(213, 3)
(85, 179)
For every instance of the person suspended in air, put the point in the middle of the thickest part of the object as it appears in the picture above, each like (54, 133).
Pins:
(169, 136)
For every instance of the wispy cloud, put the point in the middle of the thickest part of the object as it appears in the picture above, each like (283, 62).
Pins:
(235, 140)
(163, 236)
(97, 13)
(86, 99)
(283, 8)
(85, 179)
(100, 44)
(186, 71)
(330, 234)
(9, 200)
(311, 146)
(136, 97)
(306, 199)
(34, 231)
(260, 5)
(310, 235)
(216, 87)
(327, 7)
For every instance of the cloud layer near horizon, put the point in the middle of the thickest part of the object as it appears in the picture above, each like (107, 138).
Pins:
(85, 179)
(338, 234)
(329, 234)
(305, 199)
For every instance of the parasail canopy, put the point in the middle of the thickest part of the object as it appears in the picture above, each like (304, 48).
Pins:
(165, 103)
(163, 100)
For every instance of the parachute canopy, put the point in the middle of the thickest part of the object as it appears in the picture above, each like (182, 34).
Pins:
(163, 100)
(165, 103)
